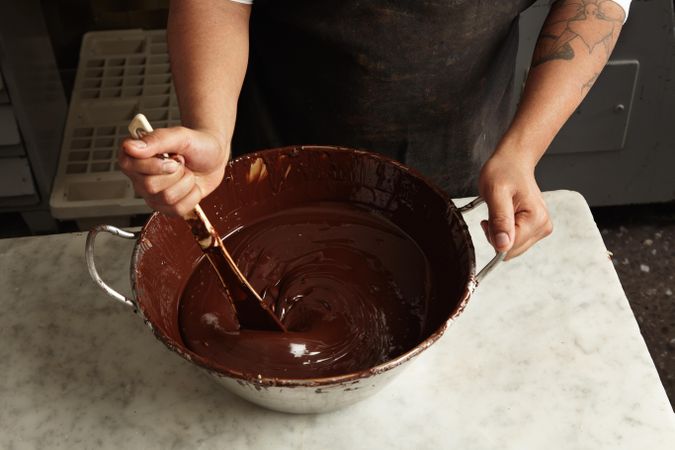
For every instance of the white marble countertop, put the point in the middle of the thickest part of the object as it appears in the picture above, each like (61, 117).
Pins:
(546, 355)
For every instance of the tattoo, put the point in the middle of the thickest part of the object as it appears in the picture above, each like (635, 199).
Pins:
(591, 23)
(564, 52)
(589, 84)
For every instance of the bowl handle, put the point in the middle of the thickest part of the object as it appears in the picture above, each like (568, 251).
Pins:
(89, 256)
(498, 258)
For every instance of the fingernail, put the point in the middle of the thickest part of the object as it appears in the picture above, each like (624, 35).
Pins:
(138, 144)
(502, 239)
(169, 166)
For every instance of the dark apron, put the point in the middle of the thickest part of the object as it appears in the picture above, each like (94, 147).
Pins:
(426, 82)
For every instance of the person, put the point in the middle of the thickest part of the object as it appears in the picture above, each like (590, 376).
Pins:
(428, 82)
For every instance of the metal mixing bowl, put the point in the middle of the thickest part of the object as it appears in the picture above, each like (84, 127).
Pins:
(165, 255)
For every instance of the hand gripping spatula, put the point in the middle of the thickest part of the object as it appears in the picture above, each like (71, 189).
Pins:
(251, 311)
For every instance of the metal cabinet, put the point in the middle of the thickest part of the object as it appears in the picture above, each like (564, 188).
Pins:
(32, 113)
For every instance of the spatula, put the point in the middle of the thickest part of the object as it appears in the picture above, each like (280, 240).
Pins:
(251, 311)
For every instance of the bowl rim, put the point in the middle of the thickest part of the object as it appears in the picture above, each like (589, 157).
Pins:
(266, 382)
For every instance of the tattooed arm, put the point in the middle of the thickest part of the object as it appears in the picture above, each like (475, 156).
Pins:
(585, 30)
(573, 47)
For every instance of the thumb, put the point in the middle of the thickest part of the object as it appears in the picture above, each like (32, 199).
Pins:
(162, 140)
(501, 222)
(137, 148)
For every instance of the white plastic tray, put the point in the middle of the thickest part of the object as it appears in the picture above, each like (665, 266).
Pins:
(120, 74)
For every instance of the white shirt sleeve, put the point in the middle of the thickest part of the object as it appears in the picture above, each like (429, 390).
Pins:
(250, 2)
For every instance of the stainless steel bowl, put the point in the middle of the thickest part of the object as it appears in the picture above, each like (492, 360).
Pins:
(165, 255)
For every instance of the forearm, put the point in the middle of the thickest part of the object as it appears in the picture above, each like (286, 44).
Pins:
(573, 47)
(208, 45)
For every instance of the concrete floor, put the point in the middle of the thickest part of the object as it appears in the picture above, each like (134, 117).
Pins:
(642, 240)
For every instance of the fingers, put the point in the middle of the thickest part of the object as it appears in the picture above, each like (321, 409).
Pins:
(149, 185)
(518, 217)
(172, 194)
(148, 166)
(136, 148)
(169, 195)
(177, 184)
(181, 207)
(175, 140)
(138, 156)
(532, 224)
(501, 223)
(166, 184)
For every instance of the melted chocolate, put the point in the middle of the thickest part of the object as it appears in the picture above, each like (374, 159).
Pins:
(355, 289)
(352, 288)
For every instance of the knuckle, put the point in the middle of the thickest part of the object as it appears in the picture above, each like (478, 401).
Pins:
(501, 220)
(154, 137)
(123, 160)
(547, 229)
(150, 187)
(178, 175)
(541, 214)
(124, 165)
(543, 221)
(168, 197)
(155, 166)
